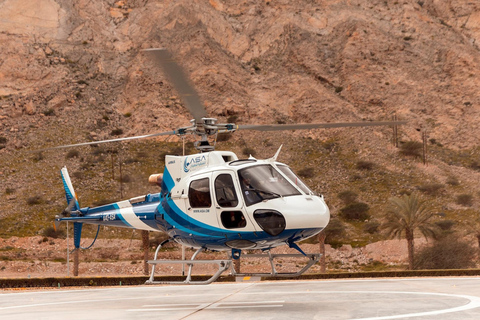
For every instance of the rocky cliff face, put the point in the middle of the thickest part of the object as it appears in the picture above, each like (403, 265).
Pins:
(73, 70)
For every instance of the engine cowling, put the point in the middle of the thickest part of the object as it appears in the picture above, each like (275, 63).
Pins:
(156, 179)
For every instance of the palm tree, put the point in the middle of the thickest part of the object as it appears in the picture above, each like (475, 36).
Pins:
(404, 216)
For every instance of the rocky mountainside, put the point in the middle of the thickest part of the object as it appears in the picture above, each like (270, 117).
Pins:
(73, 71)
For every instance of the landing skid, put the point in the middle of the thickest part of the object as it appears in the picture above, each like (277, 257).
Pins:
(312, 259)
(223, 265)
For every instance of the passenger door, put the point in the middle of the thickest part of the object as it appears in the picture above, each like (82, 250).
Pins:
(228, 202)
(200, 201)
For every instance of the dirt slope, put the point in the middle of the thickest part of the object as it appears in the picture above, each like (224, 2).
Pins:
(72, 71)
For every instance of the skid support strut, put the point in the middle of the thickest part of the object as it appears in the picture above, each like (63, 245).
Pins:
(222, 266)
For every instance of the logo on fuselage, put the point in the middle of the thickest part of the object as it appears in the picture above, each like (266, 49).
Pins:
(192, 163)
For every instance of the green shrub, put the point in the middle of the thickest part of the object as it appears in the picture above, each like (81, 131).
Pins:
(3, 140)
(356, 211)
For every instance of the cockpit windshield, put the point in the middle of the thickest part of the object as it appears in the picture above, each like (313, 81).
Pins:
(264, 182)
(294, 178)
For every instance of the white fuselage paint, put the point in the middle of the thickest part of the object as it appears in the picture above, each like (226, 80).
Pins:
(126, 212)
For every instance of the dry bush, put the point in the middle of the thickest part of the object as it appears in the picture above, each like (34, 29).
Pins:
(50, 232)
(371, 227)
(248, 152)
(445, 225)
(34, 200)
(465, 200)
(307, 172)
(356, 211)
(453, 181)
(365, 165)
(72, 154)
(446, 253)
(411, 149)
(334, 232)
(347, 197)
(432, 189)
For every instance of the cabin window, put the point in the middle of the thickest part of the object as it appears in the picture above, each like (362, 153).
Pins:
(199, 194)
(225, 191)
(233, 219)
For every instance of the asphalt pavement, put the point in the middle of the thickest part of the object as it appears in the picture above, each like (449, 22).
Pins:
(424, 298)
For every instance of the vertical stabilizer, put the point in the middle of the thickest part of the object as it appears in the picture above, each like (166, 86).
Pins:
(69, 191)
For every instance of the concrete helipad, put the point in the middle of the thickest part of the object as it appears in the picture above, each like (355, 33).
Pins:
(428, 298)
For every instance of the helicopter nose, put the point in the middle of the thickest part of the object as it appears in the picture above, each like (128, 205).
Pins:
(308, 212)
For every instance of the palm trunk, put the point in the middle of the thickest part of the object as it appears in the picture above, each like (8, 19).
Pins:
(75, 262)
(146, 247)
(411, 252)
(478, 240)
(321, 243)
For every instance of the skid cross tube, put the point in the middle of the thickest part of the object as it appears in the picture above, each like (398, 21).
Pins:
(222, 266)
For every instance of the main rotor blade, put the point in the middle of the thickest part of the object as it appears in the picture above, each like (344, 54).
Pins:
(304, 126)
(112, 140)
(180, 81)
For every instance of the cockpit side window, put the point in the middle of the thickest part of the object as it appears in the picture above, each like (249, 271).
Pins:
(225, 191)
(199, 193)
(295, 179)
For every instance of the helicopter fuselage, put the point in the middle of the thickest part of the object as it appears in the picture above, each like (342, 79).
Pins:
(215, 201)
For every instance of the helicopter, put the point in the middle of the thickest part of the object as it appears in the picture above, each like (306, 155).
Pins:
(213, 200)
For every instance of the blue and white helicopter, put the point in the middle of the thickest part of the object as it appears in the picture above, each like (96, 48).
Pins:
(213, 200)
